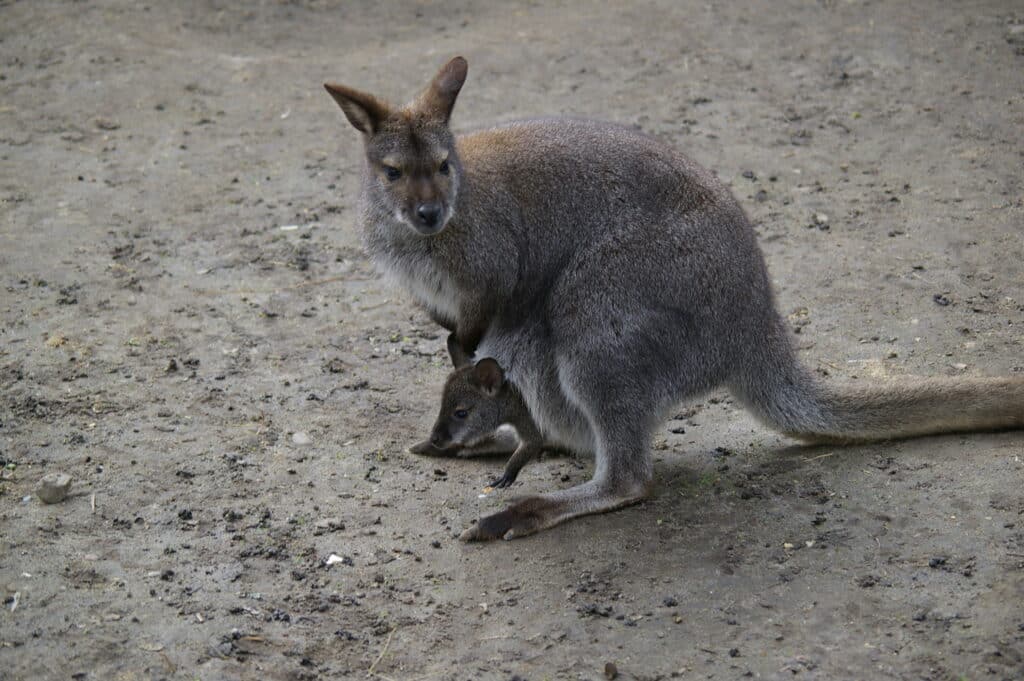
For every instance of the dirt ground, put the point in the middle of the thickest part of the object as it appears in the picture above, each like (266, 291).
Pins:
(191, 330)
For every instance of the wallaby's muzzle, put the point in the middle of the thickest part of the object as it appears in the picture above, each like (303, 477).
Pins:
(441, 438)
(428, 215)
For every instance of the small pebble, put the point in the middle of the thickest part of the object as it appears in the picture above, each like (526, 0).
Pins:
(610, 671)
(301, 439)
(54, 488)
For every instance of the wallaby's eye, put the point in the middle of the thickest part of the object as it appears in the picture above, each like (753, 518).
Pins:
(392, 173)
(461, 414)
(444, 167)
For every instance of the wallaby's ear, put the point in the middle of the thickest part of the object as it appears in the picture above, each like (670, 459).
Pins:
(488, 376)
(439, 97)
(365, 112)
(459, 357)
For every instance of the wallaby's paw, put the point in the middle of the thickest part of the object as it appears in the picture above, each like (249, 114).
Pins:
(504, 481)
(518, 520)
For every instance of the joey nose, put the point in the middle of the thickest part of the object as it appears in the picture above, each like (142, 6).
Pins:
(429, 214)
(439, 438)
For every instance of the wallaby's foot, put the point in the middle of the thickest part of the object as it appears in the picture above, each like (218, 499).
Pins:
(533, 514)
(504, 481)
(518, 520)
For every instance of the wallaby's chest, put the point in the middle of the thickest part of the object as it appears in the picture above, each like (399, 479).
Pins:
(430, 286)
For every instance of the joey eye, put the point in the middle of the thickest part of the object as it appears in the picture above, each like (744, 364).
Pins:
(444, 169)
(461, 414)
(392, 173)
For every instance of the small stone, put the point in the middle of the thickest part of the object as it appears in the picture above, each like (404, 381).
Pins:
(610, 671)
(54, 488)
(325, 525)
(300, 439)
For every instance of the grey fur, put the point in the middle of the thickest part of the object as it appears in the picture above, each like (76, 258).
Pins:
(613, 277)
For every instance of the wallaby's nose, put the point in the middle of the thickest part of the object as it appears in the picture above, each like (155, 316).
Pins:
(440, 438)
(429, 213)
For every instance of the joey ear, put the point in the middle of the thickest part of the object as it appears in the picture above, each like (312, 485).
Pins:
(439, 97)
(459, 357)
(488, 376)
(365, 112)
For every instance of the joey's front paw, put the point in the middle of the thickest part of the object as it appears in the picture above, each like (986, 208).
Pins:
(518, 520)
(504, 481)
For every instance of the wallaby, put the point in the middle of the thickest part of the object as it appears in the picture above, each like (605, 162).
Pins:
(480, 409)
(637, 270)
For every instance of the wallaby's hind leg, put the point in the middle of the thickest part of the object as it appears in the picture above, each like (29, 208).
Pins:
(622, 477)
(533, 514)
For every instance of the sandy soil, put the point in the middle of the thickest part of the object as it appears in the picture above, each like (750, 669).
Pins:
(191, 331)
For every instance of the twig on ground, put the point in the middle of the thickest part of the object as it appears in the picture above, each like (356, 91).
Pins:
(384, 651)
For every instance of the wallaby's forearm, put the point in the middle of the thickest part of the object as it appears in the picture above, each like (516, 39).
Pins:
(525, 452)
(473, 319)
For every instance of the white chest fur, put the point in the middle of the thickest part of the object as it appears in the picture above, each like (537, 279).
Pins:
(430, 287)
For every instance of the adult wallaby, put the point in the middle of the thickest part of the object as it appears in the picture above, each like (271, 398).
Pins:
(641, 272)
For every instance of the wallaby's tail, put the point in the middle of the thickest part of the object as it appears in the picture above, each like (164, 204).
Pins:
(787, 397)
